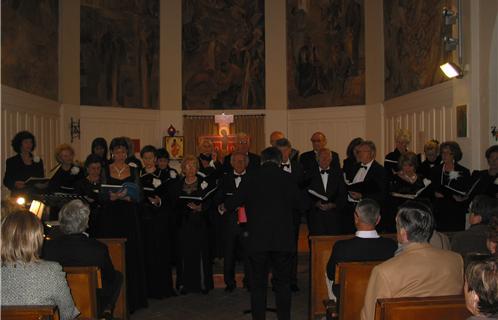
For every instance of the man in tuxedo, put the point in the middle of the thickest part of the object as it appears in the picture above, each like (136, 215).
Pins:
(309, 160)
(295, 170)
(324, 217)
(242, 145)
(369, 172)
(270, 197)
(234, 230)
(209, 165)
(367, 245)
(418, 269)
(75, 249)
(277, 135)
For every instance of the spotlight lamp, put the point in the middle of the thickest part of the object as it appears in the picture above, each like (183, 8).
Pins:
(452, 70)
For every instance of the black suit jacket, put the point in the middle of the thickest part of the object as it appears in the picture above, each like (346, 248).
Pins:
(16, 170)
(378, 174)
(336, 188)
(226, 189)
(360, 249)
(77, 250)
(310, 164)
(254, 163)
(297, 173)
(270, 196)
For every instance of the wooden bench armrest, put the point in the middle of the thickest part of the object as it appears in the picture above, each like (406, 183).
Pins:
(34, 312)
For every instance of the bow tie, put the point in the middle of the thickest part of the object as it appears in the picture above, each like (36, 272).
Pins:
(324, 171)
(285, 165)
(238, 175)
(364, 167)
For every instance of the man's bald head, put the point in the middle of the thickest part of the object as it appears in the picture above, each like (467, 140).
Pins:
(318, 140)
(274, 136)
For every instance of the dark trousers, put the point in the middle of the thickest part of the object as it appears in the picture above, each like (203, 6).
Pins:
(235, 248)
(108, 295)
(281, 264)
(324, 223)
(295, 257)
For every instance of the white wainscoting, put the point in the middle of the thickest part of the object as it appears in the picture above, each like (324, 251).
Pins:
(40, 116)
(111, 122)
(339, 124)
(428, 114)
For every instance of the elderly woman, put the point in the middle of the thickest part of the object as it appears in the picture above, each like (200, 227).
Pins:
(75, 249)
(26, 279)
(405, 184)
(23, 165)
(119, 219)
(68, 172)
(449, 208)
(481, 289)
(432, 158)
(210, 167)
(488, 179)
(402, 138)
(190, 195)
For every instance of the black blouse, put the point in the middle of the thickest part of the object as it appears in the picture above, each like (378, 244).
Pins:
(17, 170)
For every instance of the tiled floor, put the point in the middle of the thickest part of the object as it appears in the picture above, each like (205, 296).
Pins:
(220, 305)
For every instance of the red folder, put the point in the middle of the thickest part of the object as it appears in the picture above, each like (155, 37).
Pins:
(241, 215)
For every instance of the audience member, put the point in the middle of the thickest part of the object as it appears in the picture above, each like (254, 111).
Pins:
(481, 289)
(26, 279)
(416, 269)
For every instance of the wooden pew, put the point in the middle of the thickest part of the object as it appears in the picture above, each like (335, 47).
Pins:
(427, 308)
(321, 249)
(83, 282)
(30, 313)
(353, 278)
(117, 252)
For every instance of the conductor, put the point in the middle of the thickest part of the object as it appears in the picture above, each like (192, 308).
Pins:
(269, 197)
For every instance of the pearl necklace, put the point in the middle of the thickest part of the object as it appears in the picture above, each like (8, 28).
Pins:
(119, 171)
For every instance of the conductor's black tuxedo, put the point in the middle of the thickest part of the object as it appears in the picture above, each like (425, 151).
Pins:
(269, 196)
(309, 161)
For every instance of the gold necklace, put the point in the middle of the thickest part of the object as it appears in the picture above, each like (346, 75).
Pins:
(119, 171)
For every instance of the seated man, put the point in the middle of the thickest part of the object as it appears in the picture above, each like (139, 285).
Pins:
(75, 249)
(418, 269)
(366, 246)
(473, 240)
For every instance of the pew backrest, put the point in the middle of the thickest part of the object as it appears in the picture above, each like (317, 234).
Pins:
(320, 250)
(83, 282)
(427, 308)
(353, 279)
(117, 251)
(30, 313)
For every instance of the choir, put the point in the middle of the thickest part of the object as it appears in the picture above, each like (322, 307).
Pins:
(178, 221)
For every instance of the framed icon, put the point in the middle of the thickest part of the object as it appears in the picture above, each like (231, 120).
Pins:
(174, 146)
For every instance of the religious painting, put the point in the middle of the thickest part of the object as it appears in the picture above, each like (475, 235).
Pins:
(223, 54)
(30, 46)
(325, 53)
(461, 121)
(414, 50)
(120, 53)
(174, 146)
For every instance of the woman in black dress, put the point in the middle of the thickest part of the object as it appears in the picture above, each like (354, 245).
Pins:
(349, 164)
(449, 208)
(89, 187)
(406, 184)
(119, 219)
(23, 165)
(155, 229)
(402, 138)
(194, 270)
(432, 158)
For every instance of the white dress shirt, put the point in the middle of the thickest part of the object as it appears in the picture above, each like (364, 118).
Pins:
(238, 179)
(367, 234)
(325, 178)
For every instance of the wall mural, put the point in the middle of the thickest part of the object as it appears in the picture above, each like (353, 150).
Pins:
(325, 53)
(120, 53)
(413, 45)
(30, 45)
(223, 54)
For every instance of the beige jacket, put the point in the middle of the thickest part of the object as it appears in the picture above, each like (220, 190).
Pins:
(420, 270)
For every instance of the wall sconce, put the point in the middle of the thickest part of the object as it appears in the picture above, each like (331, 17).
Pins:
(452, 69)
(75, 129)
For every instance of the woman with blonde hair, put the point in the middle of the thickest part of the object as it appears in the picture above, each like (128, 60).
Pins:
(402, 138)
(191, 203)
(26, 279)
